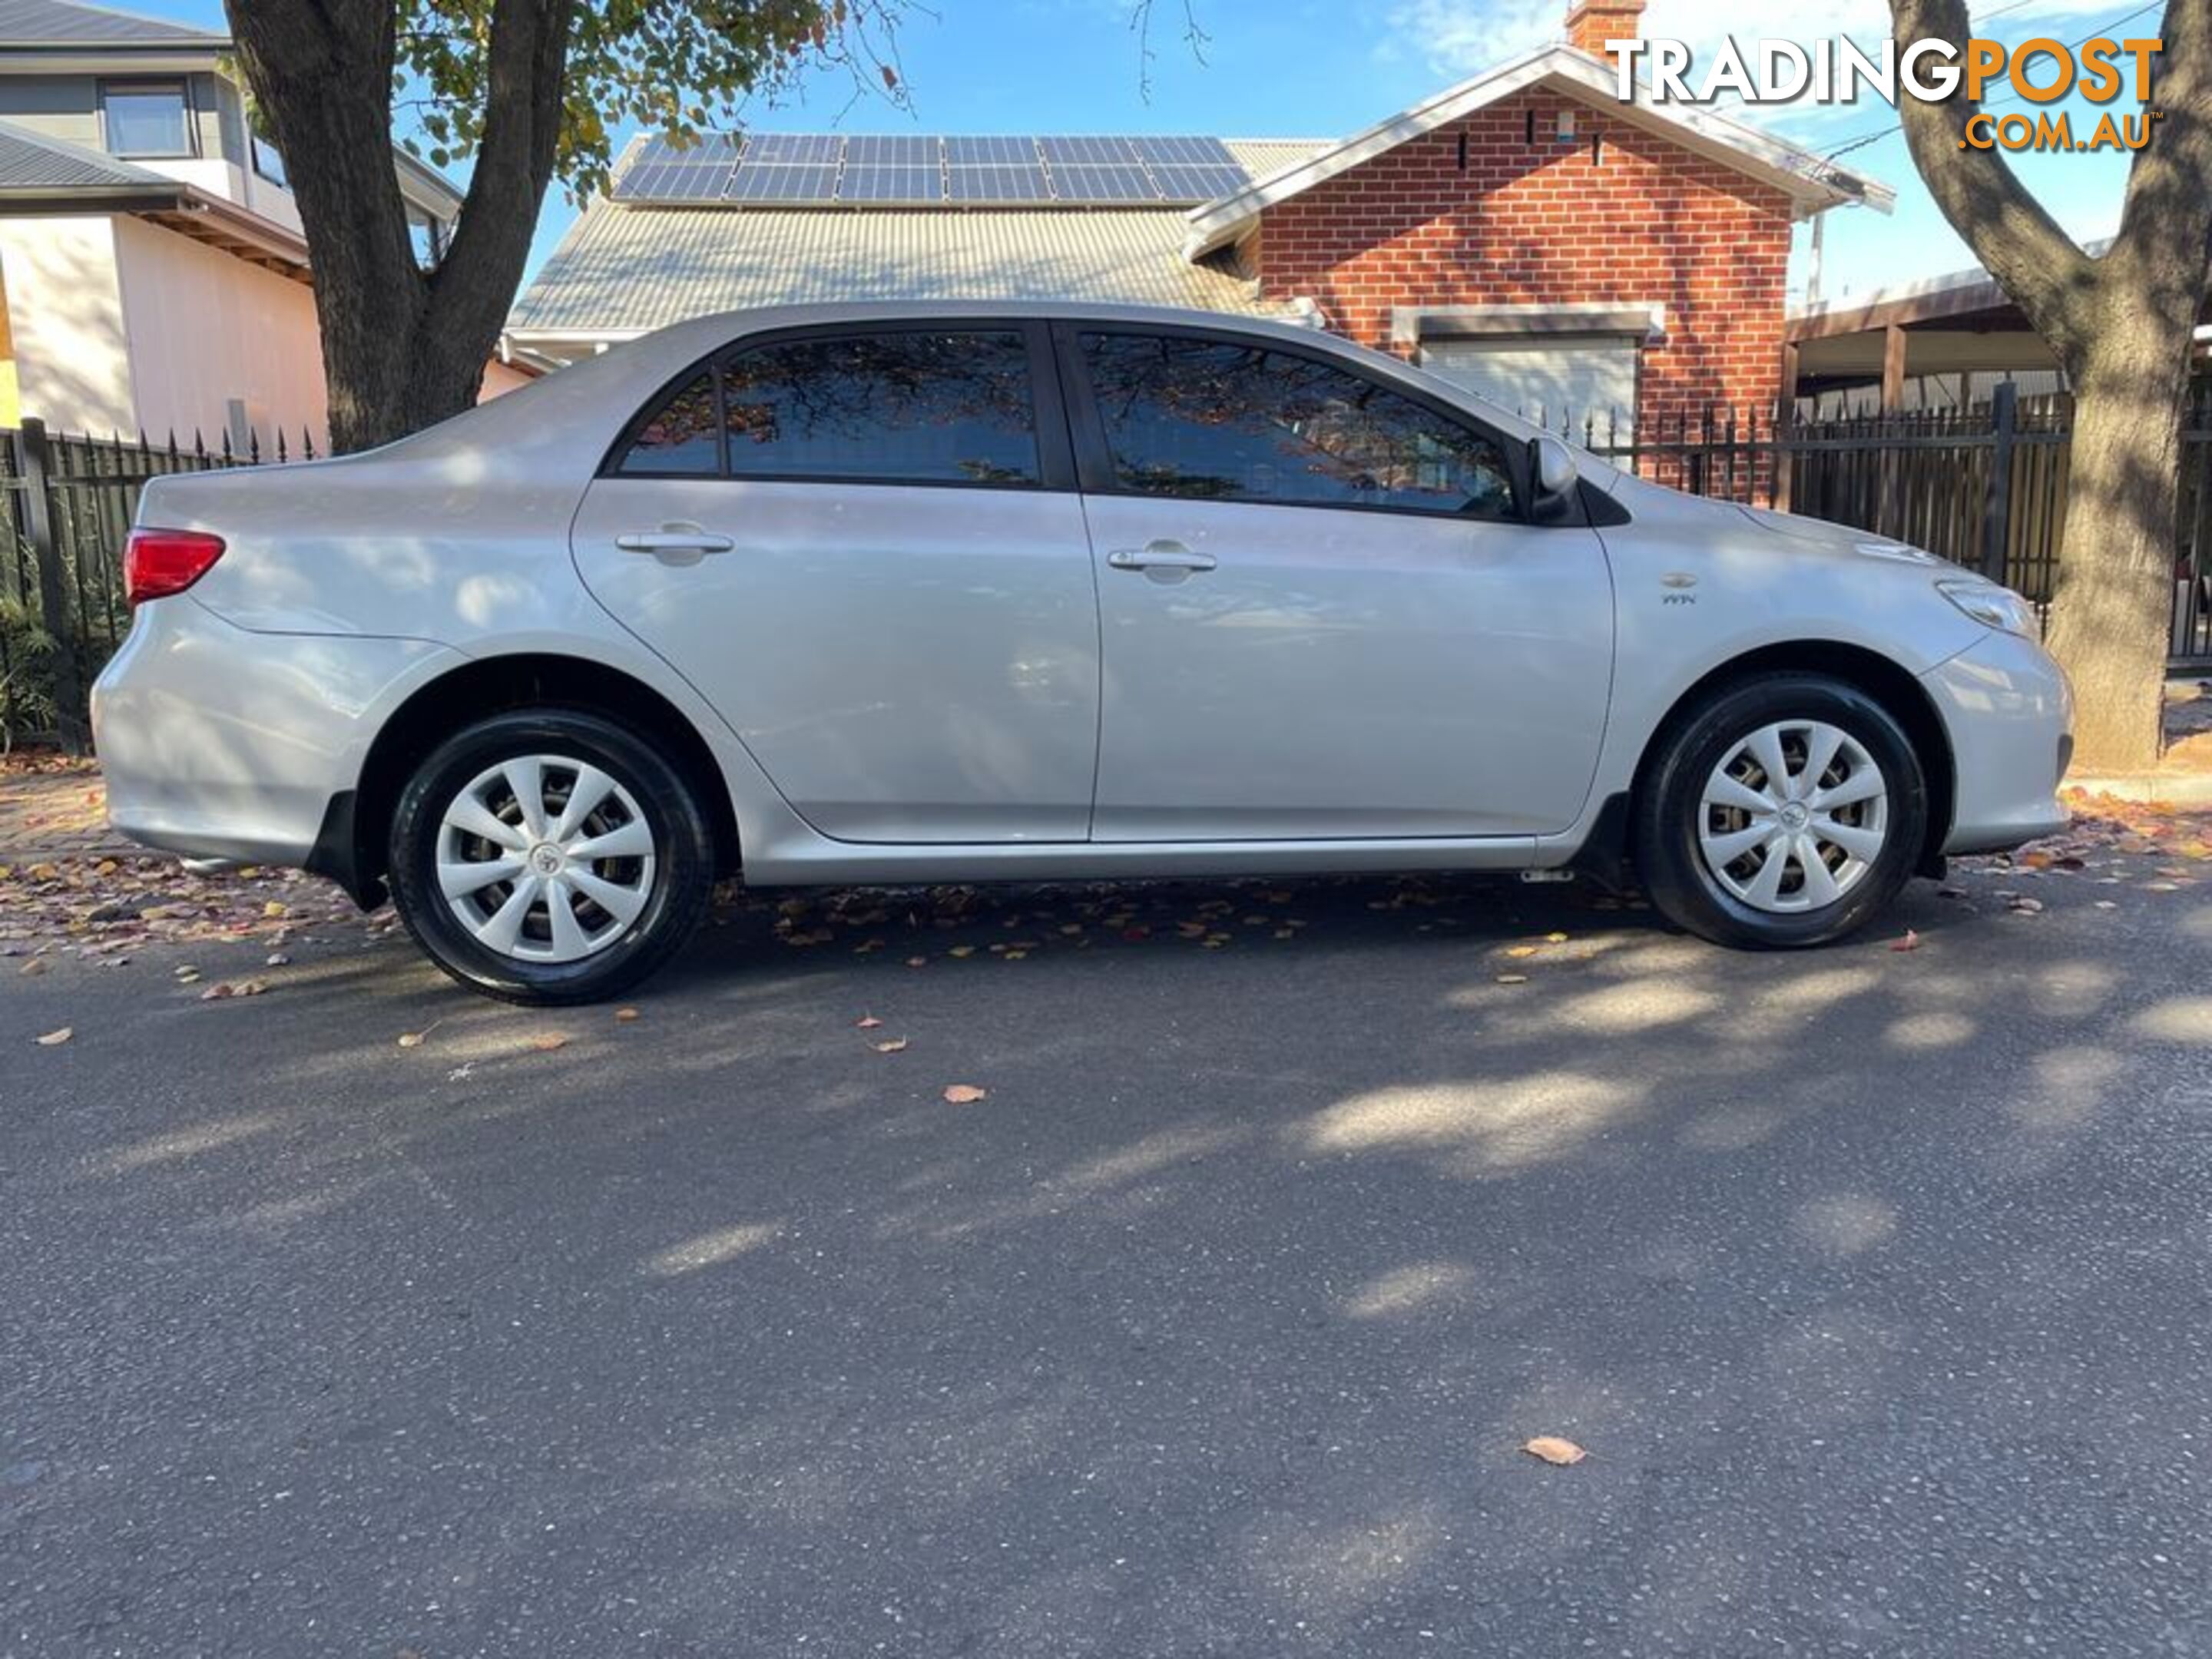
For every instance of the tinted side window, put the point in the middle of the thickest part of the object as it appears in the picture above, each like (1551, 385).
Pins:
(926, 407)
(1221, 421)
(679, 436)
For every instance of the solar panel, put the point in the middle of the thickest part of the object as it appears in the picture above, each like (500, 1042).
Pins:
(1199, 183)
(673, 181)
(1006, 183)
(895, 169)
(892, 150)
(991, 152)
(794, 148)
(1184, 152)
(709, 147)
(890, 183)
(1075, 182)
(777, 182)
(1096, 152)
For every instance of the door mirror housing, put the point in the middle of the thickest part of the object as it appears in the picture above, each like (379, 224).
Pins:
(1552, 476)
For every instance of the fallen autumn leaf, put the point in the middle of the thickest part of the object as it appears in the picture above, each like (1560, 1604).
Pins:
(1554, 1450)
(965, 1094)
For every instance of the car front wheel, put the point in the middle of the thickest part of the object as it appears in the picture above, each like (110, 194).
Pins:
(549, 856)
(1785, 812)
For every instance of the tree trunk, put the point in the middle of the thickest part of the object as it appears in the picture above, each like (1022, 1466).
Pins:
(2121, 326)
(2111, 616)
(402, 347)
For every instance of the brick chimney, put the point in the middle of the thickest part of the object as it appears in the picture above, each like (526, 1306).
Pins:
(1591, 23)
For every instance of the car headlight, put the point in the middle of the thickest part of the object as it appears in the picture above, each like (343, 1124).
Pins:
(1992, 606)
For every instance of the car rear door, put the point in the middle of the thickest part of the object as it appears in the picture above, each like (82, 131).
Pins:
(1323, 611)
(863, 546)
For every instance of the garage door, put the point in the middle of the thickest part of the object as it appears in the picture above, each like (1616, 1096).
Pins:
(1553, 380)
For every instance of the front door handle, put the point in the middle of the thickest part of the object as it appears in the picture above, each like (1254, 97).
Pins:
(1161, 555)
(675, 543)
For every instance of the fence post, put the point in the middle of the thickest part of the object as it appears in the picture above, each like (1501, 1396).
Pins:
(69, 724)
(1996, 516)
(1782, 484)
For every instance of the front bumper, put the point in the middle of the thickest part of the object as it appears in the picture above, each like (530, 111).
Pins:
(2009, 712)
(217, 742)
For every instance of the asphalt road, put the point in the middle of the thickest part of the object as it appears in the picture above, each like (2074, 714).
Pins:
(1874, 1283)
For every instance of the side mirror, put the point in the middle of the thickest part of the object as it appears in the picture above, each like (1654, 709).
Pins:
(1551, 469)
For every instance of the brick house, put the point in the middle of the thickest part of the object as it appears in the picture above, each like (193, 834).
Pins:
(1524, 233)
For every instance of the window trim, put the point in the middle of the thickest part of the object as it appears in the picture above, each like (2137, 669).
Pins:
(182, 84)
(1056, 467)
(1100, 476)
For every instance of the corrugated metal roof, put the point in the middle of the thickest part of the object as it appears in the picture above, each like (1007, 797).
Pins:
(621, 269)
(57, 23)
(1261, 156)
(31, 160)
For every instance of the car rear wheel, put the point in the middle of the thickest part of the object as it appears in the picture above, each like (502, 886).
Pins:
(1785, 812)
(548, 856)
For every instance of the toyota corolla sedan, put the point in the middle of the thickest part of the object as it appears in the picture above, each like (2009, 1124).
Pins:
(867, 594)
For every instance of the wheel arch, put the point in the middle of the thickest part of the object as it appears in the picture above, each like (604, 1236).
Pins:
(351, 849)
(1882, 679)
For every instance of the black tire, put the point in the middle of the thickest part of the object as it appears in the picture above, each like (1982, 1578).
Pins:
(1669, 801)
(677, 885)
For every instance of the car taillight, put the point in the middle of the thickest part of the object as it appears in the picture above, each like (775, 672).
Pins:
(158, 562)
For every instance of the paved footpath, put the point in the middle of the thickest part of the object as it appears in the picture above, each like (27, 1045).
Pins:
(54, 811)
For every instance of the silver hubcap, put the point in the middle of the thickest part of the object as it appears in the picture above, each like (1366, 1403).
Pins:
(1793, 817)
(545, 858)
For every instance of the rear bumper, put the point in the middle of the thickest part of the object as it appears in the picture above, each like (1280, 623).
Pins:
(217, 742)
(2009, 712)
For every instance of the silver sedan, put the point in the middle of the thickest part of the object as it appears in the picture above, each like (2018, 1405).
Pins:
(965, 592)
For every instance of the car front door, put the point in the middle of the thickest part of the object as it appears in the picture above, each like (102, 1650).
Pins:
(1323, 612)
(864, 547)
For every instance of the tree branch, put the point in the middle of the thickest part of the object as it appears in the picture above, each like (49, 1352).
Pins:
(2013, 234)
(525, 68)
(2164, 239)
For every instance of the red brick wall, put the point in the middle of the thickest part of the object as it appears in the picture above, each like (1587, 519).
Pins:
(1648, 221)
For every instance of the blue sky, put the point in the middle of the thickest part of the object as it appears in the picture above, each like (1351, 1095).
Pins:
(1326, 67)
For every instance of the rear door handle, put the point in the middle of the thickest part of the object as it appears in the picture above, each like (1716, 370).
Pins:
(682, 543)
(1161, 555)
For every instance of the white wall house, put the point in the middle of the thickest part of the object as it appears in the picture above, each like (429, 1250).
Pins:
(152, 275)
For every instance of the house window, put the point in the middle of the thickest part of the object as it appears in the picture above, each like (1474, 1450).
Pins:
(269, 164)
(147, 118)
(1220, 420)
(429, 235)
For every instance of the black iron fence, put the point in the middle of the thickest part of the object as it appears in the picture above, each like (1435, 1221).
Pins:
(65, 503)
(1985, 488)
